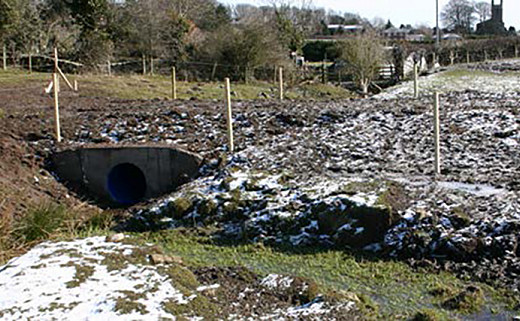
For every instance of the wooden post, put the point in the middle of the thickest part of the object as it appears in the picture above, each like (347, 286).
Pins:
(4, 55)
(280, 79)
(109, 68)
(436, 122)
(30, 62)
(174, 83)
(144, 65)
(415, 80)
(323, 72)
(56, 64)
(56, 108)
(467, 57)
(214, 71)
(229, 117)
(434, 58)
(75, 85)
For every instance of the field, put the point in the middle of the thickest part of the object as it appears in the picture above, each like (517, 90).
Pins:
(328, 210)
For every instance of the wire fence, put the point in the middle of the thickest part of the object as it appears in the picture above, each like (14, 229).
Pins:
(194, 71)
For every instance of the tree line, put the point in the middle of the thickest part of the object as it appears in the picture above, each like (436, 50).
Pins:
(240, 38)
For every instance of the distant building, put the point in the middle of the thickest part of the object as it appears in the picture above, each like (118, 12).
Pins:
(397, 33)
(494, 26)
(344, 29)
(407, 34)
(452, 37)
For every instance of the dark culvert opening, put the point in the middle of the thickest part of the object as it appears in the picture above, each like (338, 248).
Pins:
(126, 184)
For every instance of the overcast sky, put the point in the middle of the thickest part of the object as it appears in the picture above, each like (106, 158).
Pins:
(398, 11)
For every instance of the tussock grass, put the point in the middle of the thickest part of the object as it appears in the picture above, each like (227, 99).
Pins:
(50, 221)
(40, 223)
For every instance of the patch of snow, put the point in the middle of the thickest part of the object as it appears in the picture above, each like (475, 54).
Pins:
(46, 284)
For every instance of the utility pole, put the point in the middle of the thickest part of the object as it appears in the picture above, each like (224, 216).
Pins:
(437, 31)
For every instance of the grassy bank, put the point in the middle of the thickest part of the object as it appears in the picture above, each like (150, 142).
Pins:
(159, 87)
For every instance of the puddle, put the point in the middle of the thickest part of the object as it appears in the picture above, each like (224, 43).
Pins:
(480, 190)
(475, 189)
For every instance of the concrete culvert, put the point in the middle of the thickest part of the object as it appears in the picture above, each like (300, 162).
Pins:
(126, 184)
(125, 175)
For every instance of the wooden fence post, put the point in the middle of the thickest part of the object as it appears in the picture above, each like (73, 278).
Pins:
(436, 122)
(468, 60)
(4, 57)
(229, 116)
(174, 83)
(75, 85)
(30, 62)
(415, 80)
(56, 107)
(56, 80)
(434, 58)
(324, 72)
(109, 68)
(214, 71)
(144, 65)
(280, 79)
(56, 64)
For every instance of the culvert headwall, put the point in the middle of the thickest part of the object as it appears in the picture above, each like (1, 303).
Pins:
(122, 176)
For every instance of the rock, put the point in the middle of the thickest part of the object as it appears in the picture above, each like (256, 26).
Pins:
(165, 259)
(460, 249)
(352, 225)
(116, 238)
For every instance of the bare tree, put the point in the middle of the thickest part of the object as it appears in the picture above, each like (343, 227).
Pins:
(483, 10)
(458, 15)
(363, 56)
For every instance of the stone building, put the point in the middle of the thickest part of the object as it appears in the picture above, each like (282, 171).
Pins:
(494, 26)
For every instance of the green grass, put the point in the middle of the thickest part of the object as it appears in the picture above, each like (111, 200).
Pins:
(400, 291)
(153, 87)
(40, 223)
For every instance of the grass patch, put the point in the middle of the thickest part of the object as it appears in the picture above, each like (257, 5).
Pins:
(428, 315)
(83, 273)
(40, 222)
(150, 87)
(159, 87)
(392, 290)
(199, 306)
(127, 303)
(49, 221)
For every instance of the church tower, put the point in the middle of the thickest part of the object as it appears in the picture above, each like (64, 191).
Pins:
(497, 11)
(495, 25)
